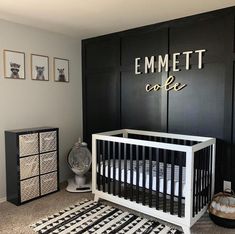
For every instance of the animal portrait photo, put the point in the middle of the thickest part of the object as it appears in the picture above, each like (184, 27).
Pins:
(61, 70)
(14, 64)
(39, 67)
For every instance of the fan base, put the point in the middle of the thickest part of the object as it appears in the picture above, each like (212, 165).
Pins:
(75, 188)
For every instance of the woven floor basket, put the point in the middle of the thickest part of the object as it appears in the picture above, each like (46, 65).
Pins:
(222, 209)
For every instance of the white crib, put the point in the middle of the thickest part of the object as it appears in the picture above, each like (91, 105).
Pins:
(167, 176)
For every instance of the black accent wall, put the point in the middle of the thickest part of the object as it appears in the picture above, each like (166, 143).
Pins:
(114, 97)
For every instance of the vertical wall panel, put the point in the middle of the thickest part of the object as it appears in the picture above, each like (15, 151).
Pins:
(101, 86)
(140, 109)
(102, 103)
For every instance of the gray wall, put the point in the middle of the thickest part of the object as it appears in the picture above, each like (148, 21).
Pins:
(27, 103)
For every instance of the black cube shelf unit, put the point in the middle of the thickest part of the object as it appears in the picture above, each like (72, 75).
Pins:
(32, 163)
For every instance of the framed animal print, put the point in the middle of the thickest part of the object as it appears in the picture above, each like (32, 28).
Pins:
(14, 64)
(39, 67)
(61, 70)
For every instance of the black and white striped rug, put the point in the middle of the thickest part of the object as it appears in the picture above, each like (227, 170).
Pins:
(92, 217)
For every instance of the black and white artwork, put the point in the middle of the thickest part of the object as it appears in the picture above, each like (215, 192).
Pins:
(39, 67)
(61, 70)
(14, 64)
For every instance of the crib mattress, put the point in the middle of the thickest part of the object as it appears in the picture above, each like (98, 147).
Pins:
(147, 177)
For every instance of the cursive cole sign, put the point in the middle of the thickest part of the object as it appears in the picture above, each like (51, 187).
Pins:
(161, 63)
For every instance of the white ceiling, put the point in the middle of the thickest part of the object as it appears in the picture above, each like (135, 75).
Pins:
(88, 18)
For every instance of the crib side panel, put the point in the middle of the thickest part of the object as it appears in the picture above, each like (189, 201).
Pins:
(150, 176)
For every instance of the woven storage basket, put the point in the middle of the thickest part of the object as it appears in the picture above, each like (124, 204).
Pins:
(48, 141)
(222, 209)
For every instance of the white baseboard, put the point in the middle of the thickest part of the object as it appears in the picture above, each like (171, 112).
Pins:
(2, 199)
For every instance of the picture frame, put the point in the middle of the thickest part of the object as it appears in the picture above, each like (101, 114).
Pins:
(14, 64)
(61, 70)
(39, 67)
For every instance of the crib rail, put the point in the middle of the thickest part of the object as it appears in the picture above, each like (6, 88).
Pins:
(166, 172)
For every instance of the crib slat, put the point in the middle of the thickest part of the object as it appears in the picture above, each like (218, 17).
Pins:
(194, 190)
(98, 162)
(164, 179)
(157, 178)
(155, 138)
(104, 166)
(200, 181)
(195, 201)
(204, 178)
(207, 173)
(197, 183)
(181, 155)
(131, 172)
(172, 180)
(211, 158)
(119, 169)
(150, 177)
(137, 173)
(125, 171)
(114, 168)
(143, 175)
(109, 172)
(210, 172)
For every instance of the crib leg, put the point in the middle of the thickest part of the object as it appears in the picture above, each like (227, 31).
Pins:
(96, 198)
(186, 230)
